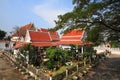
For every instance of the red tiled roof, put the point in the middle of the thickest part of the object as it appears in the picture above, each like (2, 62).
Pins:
(44, 30)
(23, 29)
(53, 35)
(19, 45)
(70, 42)
(39, 36)
(74, 42)
(43, 44)
(74, 32)
(74, 35)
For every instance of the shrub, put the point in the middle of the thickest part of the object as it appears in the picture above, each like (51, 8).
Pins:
(56, 57)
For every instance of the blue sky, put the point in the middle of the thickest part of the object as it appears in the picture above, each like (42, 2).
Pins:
(40, 12)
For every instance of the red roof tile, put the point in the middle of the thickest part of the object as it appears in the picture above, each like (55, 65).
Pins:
(39, 36)
(44, 30)
(74, 42)
(74, 35)
(70, 42)
(19, 45)
(74, 32)
(23, 29)
(53, 35)
(43, 44)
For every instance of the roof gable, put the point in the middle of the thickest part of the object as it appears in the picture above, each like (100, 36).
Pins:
(23, 29)
(44, 30)
(74, 35)
(53, 35)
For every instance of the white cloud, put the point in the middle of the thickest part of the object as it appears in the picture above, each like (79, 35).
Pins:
(49, 11)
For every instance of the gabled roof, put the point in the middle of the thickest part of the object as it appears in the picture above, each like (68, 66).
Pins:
(44, 44)
(73, 37)
(43, 30)
(23, 29)
(19, 45)
(53, 35)
(36, 44)
(39, 36)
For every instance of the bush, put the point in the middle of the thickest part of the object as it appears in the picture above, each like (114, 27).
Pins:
(56, 57)
(29, 50)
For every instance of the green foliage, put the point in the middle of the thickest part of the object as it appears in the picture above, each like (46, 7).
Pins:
(73, 52)
(88, 14)
(51, 64)
(93, 35)
(86, 54)
(89, 51)
(56, 56)
(29, 50)
(115, 44)
(2, 34)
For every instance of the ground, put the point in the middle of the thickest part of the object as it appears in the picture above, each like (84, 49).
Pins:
(8, 71)
(109, 69)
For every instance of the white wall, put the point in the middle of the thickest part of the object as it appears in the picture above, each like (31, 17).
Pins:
(2, 46)
(65, 47)
(27, 37)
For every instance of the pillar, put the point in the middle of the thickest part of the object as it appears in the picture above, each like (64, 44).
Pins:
(77, 67)
(66, 72)
(82, 49)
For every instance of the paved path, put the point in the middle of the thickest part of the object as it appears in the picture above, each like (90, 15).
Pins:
(106, 70)
(8, 71)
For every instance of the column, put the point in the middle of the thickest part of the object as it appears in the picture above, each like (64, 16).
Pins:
(82, 49)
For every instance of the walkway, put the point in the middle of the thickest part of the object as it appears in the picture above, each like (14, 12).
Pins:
(106, 70)
(8, 71)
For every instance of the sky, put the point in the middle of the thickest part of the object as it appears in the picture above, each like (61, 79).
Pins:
(40, 12)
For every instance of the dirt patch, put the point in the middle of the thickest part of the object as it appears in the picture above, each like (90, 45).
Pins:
(8, 71)
(108, 69)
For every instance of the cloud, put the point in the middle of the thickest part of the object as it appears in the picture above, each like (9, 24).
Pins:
(49, 10)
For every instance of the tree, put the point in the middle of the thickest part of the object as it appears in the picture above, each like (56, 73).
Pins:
(2, 34)
(88, 14)
(16, 30)
(29, 50)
